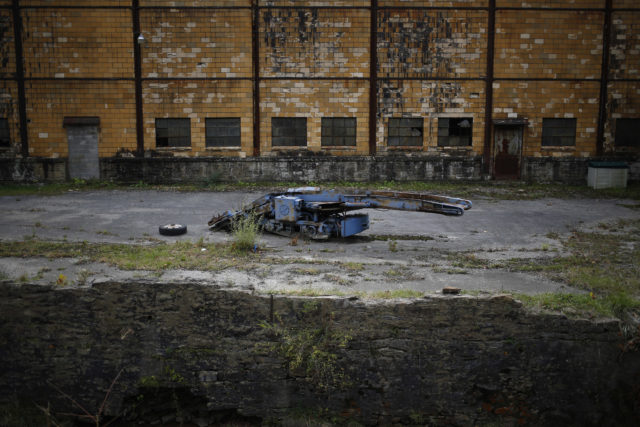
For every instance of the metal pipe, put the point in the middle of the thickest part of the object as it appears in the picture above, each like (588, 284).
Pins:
(604, 78)
(22, 98)
(488, 106)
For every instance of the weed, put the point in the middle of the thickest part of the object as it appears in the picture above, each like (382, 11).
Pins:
(393, 246)
(353, 266)
(306, 271)
(398, 293)
(311, 351)
(245, 231)
(62, 280)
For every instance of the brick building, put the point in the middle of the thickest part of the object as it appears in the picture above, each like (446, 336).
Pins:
(244, 88)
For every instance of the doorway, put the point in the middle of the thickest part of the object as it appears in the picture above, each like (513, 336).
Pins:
(82, 140)
(507, 151)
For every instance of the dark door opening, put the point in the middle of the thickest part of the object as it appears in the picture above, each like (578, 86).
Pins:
(507, 151)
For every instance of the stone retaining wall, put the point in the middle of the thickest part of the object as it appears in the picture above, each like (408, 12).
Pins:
(198, 353)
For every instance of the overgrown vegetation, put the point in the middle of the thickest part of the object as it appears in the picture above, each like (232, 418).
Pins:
(466, 189)
(605, 264)
(311, 351)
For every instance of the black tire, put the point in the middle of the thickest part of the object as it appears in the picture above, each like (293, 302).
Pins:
(172, 229)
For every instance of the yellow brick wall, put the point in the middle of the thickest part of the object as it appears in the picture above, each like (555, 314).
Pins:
(62, 43)
(555, 4)
(314, 99)
(193, 43)
(198, 100)
(433, 3)
(625, 45)
(431, 100)
(537, 100)
(48, 102)
(55, 3)
(314, 43)
(623, 102)
(7, 45)
(9, 111)
(340, 3)
(195, 3)
(553, 44)
(620, 4)
(427, 43)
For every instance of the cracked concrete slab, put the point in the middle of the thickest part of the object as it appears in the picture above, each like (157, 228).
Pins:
(401, 250)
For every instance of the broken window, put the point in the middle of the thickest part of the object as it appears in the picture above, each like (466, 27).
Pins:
(455, 131)
(338, 131)
(5, 140)
(173, 133)
(405, 132)
(288, 132)
(222, 132)
(558, 132)
(627, 132)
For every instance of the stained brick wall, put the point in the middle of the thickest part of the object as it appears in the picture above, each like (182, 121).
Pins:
(77, 43)
(314, 99)
(198, 100)
(193, 43)
(314, 60)
(536, 100)
(113, 102)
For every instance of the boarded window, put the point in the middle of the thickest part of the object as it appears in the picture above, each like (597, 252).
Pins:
(405, 132)
(173, 132)
(288, 132)
(338, 131)
(5, 137)
(222, 132)
(455, 131)
(558, 132)
(627, 132)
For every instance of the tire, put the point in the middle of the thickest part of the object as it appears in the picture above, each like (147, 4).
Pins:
(172, 229)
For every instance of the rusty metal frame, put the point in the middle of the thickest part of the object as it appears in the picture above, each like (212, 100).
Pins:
(22, 97)
(373, 78)
(488, 105)
(604, 78)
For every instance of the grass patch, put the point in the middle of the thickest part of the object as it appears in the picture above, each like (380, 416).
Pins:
(245, 230)
(160, 256)
(581, 305)
(397, 293)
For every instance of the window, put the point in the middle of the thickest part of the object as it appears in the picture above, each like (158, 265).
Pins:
(405, 132)
(454, 132)
(173, 133)
(222, 132)
(558, 132)
(338, 132)
(627, 132)
(5, 140)
(288, 132)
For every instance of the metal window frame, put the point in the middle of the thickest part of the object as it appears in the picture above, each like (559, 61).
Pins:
(5, 128)
(445, 140)
(635, 125)
(223, 140)
(330, 123)
(170, 138)
(549, 138)
(298, 137)
(395, 127)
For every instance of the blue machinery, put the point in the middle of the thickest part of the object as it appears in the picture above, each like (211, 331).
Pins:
(320, 214)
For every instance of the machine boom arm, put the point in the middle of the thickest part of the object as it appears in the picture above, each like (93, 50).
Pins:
(320, 214)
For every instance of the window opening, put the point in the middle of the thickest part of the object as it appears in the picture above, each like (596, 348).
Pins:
(5, 137)
(455, 131)
(173, 133)
(558, 132)
(288, 131)
(338, 131)
(627, 132)
(405, 132)
(222, 132)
